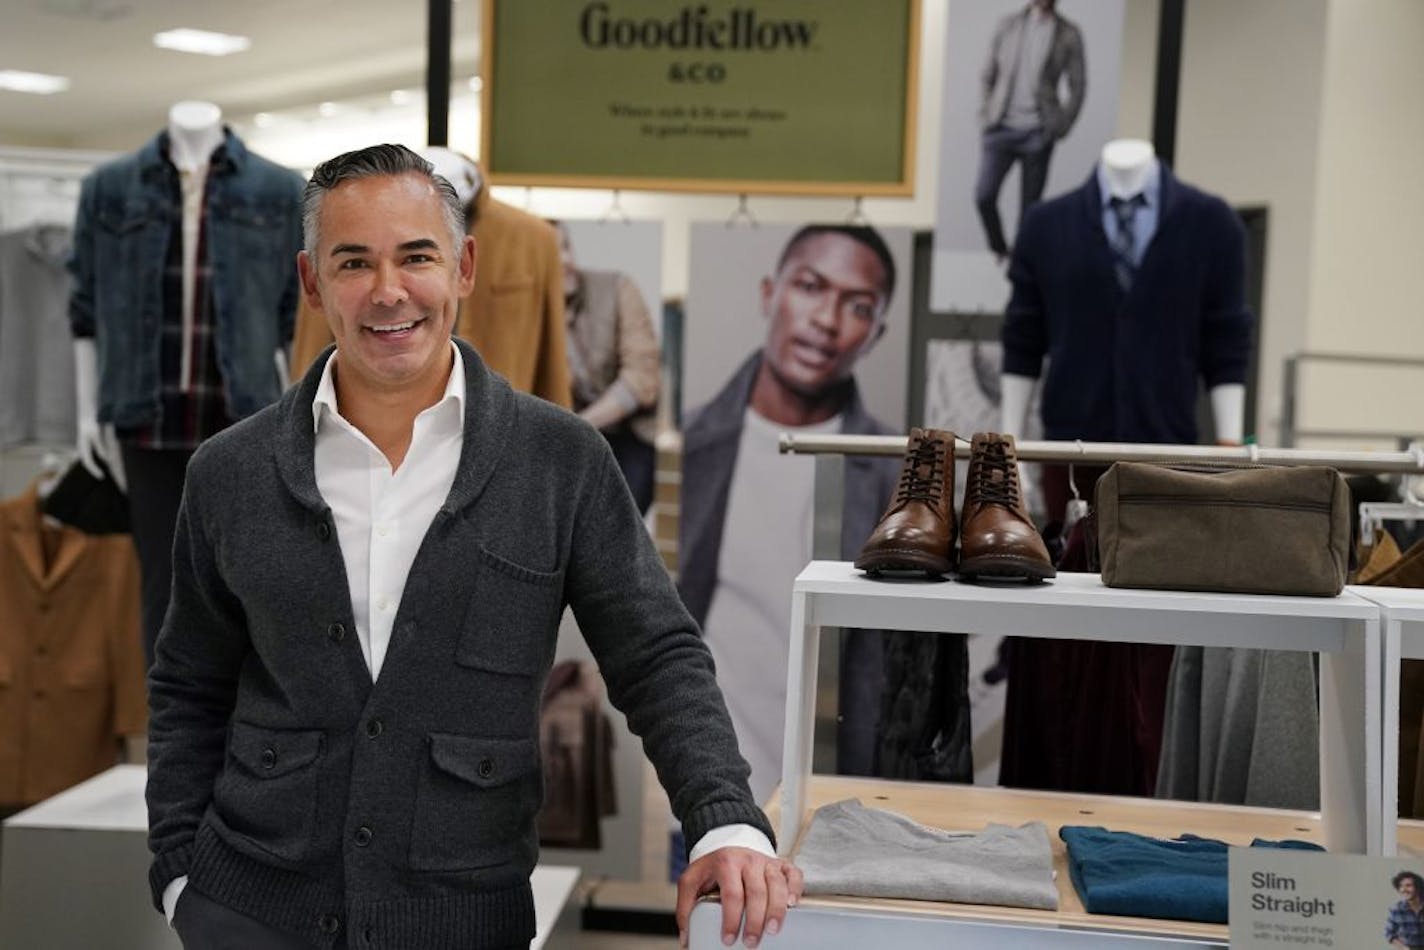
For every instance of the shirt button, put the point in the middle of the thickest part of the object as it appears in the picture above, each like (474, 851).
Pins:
(374, 728)
(329, 924)
(382, 530)
(362, 836)
(41, 650)
(337, 632)
(486, 768)
(39, 694)
(269, 758)
(384, 604)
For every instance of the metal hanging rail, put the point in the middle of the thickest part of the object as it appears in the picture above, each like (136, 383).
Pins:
(1104, 453)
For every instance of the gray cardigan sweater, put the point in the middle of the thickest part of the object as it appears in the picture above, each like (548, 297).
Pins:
(291, 788)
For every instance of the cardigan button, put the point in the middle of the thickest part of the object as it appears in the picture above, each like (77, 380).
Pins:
(269, 758)
(323, 530)
(362, 836)
(337, 632)
(329, 924)
(486, 768)
(373, 728)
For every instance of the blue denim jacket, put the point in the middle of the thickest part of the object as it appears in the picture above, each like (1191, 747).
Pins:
(127, 208)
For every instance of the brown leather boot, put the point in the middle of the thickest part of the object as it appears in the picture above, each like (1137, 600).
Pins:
(997, 538)
(916, 533)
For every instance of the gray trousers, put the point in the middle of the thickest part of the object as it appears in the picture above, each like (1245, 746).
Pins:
(204, 924)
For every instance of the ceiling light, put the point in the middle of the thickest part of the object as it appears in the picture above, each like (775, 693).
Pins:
(263, 120)
(41, 84)
(476, 83)
(204, 42)
(328, 109)
(400, 97)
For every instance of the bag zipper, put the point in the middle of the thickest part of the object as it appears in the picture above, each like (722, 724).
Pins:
(1322, 506)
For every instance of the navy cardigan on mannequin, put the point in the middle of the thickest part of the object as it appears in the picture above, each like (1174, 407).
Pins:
(1124, 366)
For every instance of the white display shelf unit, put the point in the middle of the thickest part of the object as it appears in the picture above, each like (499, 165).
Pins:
(1344, 630)
(1402, 617)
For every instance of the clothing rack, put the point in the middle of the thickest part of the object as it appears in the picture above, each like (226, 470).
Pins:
(1104, 453)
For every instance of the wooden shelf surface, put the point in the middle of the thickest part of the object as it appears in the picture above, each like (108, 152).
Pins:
(970, 808)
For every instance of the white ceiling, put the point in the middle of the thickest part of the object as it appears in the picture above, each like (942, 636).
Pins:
(303, 51)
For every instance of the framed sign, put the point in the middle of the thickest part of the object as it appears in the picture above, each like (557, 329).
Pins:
(799, 97)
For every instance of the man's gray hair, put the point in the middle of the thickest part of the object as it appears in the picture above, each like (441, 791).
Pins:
(371, 162)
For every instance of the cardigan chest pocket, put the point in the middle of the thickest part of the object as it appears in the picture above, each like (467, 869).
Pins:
(513, 618)
(476, 802)
(268, 790)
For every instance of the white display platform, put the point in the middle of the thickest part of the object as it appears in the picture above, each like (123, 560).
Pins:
(1344, 630)
(74, 873)
(1402, 614)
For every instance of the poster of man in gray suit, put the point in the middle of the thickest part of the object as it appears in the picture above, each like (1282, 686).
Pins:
(1028, 97)
(1034, 82)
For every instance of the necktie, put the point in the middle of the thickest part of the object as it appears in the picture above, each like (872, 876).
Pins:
(1124, 243)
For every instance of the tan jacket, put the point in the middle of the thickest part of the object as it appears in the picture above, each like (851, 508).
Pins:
(515, 314)
(613, 349)
(71, 659)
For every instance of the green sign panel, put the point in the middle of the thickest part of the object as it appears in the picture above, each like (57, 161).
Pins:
(789, 96)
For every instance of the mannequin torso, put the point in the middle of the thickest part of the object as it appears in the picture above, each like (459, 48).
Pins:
(1127, 166)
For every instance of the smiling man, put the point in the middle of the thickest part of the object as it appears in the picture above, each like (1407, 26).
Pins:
(746, 509)
(368, 581)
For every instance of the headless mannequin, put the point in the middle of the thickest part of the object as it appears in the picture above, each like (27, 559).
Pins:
(458, 170)
(1126, 165)
(195, 130)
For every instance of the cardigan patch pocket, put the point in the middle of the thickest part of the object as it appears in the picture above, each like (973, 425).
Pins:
(268, 790)
(476, 800)
(513, 618)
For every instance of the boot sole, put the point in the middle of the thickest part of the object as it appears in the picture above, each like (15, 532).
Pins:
(1006, 567)
(904, 561)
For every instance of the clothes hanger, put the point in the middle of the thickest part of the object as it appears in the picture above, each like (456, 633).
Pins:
(742, 213)
(1373, 514)
(615, 211)
(1076, 509)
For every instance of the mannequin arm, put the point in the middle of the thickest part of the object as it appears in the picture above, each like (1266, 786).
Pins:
(1228, 409)
(96, 441)
(1017, 394)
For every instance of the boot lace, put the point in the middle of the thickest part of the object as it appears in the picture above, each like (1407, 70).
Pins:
(998, 481)
(922, 476)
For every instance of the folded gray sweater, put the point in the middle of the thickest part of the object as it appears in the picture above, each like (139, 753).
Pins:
(864, 852)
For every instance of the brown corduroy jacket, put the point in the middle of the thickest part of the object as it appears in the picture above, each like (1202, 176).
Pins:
(71, 659)
(515, 315)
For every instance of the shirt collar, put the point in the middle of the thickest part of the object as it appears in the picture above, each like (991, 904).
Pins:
(325, 400)
(1151, 186)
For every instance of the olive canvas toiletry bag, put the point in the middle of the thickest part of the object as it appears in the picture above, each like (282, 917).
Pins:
(1250, 530)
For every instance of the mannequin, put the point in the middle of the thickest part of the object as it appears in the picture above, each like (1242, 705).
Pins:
(195, 130)
(1132, 288)
(1127, 165)
(171, 309)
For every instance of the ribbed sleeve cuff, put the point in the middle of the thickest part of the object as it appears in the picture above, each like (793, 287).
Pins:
(702, 820)
(166, 867)
(1022, 362)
